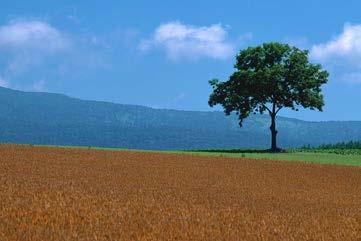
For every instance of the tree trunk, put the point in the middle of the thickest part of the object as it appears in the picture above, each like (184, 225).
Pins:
(274, 147)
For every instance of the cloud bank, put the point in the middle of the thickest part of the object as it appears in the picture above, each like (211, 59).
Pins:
(26, 44)
(188, 41)
(35, 35)
(345, 45)
(342, 54)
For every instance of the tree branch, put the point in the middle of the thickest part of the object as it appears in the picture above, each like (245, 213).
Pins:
(270, 112)
(279, 109)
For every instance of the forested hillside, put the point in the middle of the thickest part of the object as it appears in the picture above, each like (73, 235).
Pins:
(44, 118)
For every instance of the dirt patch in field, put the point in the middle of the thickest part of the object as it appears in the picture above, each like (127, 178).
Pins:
(79, 194)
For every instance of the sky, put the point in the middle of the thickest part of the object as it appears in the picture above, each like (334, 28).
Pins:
(163, 53)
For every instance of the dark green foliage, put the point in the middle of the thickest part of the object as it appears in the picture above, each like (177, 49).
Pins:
(232, 151)
(342, 145)
(343, 148)
(268, 78)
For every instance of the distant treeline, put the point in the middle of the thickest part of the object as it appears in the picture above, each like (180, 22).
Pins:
(343, 148)
(339, 145)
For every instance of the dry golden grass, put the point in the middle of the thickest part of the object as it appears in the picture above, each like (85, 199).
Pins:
(74, 194)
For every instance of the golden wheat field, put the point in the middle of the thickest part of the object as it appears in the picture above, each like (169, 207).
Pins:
(79, 194)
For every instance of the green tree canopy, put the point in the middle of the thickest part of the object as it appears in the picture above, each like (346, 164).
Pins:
(268, 78)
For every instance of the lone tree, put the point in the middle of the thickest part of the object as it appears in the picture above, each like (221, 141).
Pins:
(268, 78)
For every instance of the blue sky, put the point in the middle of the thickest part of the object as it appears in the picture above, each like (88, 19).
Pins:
(162, 53)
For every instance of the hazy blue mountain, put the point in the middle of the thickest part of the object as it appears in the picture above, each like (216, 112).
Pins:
(45, 118)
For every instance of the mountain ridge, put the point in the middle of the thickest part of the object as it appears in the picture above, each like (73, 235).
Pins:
(57, 119)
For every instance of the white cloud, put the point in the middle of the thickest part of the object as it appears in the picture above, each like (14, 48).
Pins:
(37, 35)
(32, 50)
(26, 44)
(341, 55)
(189, 41)
(345, 45)
(3, 82)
